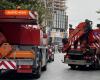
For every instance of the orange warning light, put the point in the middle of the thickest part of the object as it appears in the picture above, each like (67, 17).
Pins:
(16, 12)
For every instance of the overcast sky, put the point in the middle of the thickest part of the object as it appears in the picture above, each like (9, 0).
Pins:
(79, 10)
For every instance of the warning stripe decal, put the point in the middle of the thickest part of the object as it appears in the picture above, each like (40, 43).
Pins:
(13, 64)
(97, 37)
(7, 65)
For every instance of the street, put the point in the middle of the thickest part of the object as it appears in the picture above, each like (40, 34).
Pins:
(59, 71)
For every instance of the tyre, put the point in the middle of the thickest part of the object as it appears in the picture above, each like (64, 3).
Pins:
(82, 67)
(44, 68)
(0, 73)
(49, 60)
(95, 65)
(38, 72)
(52, 57)
(98, 62)
(73, 67)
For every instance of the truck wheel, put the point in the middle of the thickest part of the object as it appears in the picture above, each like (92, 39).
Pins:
(44, 68)
(52, 57)
(38, 74)
(94, 66)
(73, 67)
(82, 67)
(97, 64)
(0, 72)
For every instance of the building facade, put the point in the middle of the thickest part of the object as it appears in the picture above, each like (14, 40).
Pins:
(58, 22)
(60, 16)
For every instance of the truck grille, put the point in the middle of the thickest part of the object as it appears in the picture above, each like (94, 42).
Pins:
(76, 57)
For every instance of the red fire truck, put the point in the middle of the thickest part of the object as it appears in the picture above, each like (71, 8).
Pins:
(82, 46)
(21, 43)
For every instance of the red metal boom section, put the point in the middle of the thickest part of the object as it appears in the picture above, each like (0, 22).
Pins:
(75, 35)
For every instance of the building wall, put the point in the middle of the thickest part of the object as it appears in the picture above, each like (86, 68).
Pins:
(58, 23)
(59, 4)
(60, 16)
(60, 20)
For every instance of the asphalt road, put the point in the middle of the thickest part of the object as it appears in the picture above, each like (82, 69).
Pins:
(59, 71)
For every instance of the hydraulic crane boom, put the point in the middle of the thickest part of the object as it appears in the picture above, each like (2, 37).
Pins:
(82, 48)
(80, 30)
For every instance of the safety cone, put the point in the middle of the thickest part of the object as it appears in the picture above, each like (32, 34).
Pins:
(72, 46)
(78, 47)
